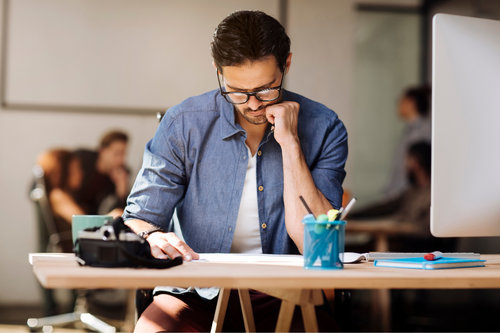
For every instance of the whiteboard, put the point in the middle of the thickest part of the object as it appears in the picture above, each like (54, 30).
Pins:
(115, 54)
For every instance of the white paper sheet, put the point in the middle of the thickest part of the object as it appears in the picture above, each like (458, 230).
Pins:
(275, 259)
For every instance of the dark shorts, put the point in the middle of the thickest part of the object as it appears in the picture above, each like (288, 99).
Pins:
(197, 313)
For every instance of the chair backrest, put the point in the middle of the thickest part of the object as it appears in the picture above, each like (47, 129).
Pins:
(159, 116)
(49, 236)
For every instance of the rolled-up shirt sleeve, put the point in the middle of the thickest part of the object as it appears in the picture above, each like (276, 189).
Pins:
(160, 184)
(329, 170)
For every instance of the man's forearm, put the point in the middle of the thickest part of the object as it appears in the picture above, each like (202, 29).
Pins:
(298, 181)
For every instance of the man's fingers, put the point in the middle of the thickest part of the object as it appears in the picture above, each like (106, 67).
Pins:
(187, 253)
(166, 249)
(158, 253)
(169, 244)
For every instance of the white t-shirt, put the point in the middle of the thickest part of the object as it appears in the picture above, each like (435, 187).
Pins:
(247, 232)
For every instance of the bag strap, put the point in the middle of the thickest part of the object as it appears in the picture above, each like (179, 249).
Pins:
(119, 225)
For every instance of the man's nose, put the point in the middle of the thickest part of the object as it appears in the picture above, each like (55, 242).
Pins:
(254, 103)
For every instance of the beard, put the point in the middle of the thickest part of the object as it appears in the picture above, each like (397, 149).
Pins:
(256, 120)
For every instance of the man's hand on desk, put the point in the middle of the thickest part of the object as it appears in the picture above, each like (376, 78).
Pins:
(163, 244)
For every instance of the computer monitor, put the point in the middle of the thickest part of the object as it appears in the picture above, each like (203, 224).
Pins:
(465, 189)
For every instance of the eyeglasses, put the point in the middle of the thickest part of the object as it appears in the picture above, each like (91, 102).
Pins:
(264, 95)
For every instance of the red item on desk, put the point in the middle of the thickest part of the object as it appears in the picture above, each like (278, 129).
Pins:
(433, 255)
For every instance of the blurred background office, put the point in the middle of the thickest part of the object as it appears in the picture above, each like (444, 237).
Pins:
(72, 70)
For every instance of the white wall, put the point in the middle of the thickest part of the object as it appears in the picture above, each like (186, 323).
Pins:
(118, 53)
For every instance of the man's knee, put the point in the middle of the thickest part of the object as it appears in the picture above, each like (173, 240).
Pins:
(164, 314)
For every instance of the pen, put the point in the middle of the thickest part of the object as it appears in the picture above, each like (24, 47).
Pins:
(433, 255)
(348, 208)
(306, 206)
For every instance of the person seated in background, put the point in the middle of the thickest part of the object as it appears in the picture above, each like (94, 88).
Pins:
(63, 177)
(413, 205)
(414, 107)
(105, 184)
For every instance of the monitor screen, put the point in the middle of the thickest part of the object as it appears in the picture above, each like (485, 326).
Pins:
(465, 189)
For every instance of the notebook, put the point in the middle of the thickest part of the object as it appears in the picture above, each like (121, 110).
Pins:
(421, 263)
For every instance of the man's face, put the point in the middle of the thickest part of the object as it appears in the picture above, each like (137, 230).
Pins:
(113, 155)
(251, 77)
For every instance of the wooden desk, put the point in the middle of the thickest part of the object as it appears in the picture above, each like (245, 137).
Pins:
(63, 272)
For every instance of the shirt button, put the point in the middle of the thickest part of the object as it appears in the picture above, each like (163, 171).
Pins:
(261, 188)
(264, 226)
(230, 228)
(259, 152)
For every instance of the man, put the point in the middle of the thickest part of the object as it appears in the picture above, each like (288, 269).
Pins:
(105, 182)
(233, 162)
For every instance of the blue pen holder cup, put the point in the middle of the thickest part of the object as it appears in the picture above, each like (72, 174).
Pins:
(323, 244)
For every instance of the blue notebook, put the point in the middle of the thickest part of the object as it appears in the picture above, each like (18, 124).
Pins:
(421, 263)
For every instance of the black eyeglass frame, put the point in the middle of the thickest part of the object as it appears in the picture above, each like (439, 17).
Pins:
(228, 98)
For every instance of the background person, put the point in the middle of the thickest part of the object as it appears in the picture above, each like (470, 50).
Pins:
(414, 109)
(105, 183)
(234, 162)
(63, 177)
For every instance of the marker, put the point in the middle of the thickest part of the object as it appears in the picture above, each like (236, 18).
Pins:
(339, 213)
(433, 255)
(348, 208)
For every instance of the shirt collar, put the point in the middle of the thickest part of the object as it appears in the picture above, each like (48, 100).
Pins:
(229, 127)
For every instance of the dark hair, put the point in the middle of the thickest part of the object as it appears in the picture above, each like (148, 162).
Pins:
(111, 137)
(55, 165)
(422, 97)
(422, 152)
(249, 35)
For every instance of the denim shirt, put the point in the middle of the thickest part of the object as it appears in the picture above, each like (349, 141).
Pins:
(197, 162)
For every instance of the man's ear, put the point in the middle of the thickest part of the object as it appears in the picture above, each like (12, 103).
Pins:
(215, 66)
(288, 63)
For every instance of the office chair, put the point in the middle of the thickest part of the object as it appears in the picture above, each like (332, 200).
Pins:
(50, 242)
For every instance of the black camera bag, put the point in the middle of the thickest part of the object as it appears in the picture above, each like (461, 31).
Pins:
(119, 253)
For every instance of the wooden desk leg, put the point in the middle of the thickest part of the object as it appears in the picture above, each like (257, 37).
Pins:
(220, 310)
(309, 317)
(381, 242)
(246, 309)
(385, 309)
(285, 316)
